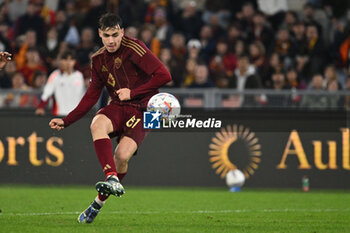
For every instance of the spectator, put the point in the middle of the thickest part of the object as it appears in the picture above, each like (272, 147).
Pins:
(15, 99)
(207, 42)
(193, 49)
(330, 74)
(39, 80)
(17, 8)
(275, 65)
(31, 21)
(33, 64)
(201, 77)
(166, 58)
(283, 46)
(189, 73)
(315, 52)
(30, 41)
(245, 78)
(308, 16)
(86, 47)
(315, 101)
(178, 50)
(147, 35)
(164, 30)
(234, 35)
(278, 83)
(261, 31)
(95, 10)
(5, 44)
(7, 73)
(334, 100)
(65, 85)
(132, 31)
(240, 48)
(62, 24)
(72, 37)
(257, 56)
(300, 44)
(293, 81)
(245, 16)
(290, 19)
(223, 63)
(49, 50)
(189, 21)
(217, 29)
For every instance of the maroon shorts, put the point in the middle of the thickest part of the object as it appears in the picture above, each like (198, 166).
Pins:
(127, 120)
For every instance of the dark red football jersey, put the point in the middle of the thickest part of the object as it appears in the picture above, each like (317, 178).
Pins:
(132, 66)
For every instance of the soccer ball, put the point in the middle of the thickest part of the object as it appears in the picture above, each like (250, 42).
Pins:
(235, 179)
(166, 104)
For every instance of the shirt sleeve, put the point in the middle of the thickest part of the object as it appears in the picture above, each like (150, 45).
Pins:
(88, 101)
(150, 64)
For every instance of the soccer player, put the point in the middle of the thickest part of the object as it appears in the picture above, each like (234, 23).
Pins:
(132, 75)
(4, 58)
(66, 85)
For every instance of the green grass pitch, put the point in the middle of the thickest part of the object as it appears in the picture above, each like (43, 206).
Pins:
(55, 209)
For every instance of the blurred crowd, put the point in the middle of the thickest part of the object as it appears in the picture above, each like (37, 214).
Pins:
(285, 44)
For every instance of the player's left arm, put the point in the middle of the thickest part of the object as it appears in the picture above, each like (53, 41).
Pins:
(151, 65)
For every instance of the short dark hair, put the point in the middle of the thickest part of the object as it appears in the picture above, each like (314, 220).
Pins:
(68, 53)
(109, 20)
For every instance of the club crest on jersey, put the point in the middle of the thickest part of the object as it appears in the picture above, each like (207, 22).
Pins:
(111, 80)
(118, 62)
(104, 69)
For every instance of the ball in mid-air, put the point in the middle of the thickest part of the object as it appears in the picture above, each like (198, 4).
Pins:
(166, 104)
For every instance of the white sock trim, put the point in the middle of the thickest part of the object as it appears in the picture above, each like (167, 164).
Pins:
(99, 202)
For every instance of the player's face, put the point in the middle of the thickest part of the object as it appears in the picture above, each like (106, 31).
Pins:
(111, 38)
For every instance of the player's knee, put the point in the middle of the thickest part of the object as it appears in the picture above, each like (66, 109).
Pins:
(95, 126)
(122, 157)
(98, 126)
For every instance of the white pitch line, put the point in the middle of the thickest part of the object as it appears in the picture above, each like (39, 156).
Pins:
(185, 212)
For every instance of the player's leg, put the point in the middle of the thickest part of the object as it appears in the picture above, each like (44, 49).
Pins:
(100, 127)
(124, 151)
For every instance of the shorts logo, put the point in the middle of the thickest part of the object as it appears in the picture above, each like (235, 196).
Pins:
(118, 62)
(151, 120)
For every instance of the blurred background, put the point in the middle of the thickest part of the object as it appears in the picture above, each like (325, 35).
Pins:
(278, 71)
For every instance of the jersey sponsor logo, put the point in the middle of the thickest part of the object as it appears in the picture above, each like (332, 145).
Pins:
(134, 46)
(151, 120)
(104, 69)
(111, 80)
(118, 62)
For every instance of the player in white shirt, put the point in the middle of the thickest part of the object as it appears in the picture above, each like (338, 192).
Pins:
(65, 85)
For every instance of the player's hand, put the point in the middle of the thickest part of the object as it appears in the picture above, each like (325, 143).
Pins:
(124, 94)
(4, 58)
(40, 111)
(57, 124)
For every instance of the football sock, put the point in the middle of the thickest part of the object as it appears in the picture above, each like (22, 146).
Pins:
(103, 198)
(98, 204)
(104, 151)
(121, 176)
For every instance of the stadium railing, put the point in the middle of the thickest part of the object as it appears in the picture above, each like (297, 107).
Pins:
(212, 98)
